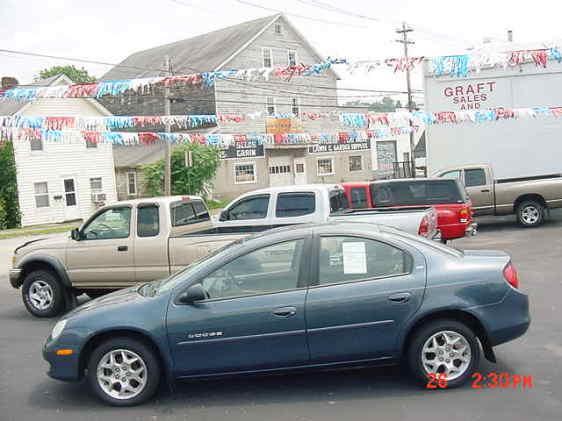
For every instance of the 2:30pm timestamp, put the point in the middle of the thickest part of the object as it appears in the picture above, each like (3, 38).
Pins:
(492, 380)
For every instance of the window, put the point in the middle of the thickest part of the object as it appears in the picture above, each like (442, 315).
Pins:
(200, 210)
(295, 204)
(280, 169)
(70, 192)
(359, 198)
(295, 109)
(474, 177)
(426, 192)
(36, 144)
(182, 214)
(41, 195)
(111, 223)
(96, 184)
(338, 201)
(270, 105)
(355, 163)
(132, 183)
(267, 270)
(348, 259)
(292, 58)
(299, 168)
(148, 221)
(325, 166)
(244, 173)
(254, 207)
(267, 60)
(278, 29)
(455, 175)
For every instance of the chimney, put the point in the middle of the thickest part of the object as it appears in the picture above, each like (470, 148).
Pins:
(8, 82)
(509, 35)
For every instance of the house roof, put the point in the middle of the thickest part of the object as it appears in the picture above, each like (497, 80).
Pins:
(202, 53)
(135, 155)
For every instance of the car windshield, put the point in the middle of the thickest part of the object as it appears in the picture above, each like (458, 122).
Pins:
(413, 192)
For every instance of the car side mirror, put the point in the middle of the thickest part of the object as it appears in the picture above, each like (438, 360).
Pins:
(192, 294)
(75, 234)
(223, 216)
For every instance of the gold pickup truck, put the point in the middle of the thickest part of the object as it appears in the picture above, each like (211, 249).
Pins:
(119, 245)
(529, 197)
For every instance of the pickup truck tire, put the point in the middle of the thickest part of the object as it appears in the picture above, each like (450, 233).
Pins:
(530, 213)
(123, 371)
(439, 344)
(43, 294)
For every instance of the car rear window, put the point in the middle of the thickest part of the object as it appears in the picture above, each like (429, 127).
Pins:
(412, 192)
(188, 212)
(338, 201)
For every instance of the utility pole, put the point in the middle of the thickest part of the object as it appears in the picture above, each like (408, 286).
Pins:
(405, 41)
(168, 150)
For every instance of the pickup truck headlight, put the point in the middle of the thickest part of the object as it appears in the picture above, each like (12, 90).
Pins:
(57, 330)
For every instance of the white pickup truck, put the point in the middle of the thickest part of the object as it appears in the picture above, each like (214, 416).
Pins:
(316, 203)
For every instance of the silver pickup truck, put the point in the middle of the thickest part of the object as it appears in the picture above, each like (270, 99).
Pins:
(318, 203)
(528, 197)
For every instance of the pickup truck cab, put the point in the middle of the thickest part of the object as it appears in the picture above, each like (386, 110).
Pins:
(119, 245)
(529, 198)
(454, 209)
(316, 203)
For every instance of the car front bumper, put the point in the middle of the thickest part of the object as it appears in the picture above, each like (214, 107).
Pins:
(15, 277)
(62, 367)
(472, 229)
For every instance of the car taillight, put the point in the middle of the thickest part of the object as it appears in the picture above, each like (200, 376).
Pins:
(424, 227)
(510, 275)
(464, 215)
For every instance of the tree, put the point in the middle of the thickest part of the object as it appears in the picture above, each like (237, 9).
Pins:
(387, 105)
(9, 207)
(73, 73)
(185, 180)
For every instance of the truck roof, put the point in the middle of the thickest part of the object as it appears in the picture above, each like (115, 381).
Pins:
(162, 200)
(296, 188)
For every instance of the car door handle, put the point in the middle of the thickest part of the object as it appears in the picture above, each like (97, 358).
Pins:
(485, 190)
(122, 248)
(401, 297)
(285, 311)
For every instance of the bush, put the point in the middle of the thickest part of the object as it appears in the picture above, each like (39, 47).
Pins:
(8, 187)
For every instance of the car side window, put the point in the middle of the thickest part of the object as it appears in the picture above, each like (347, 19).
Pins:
(254, 207)
(474, 177)
(455, 175)
(148, 221)
(295, 204)
(267, 270)
(358, 198)
(111, 223)
(200, 210)
(347, 259)
(182, 214)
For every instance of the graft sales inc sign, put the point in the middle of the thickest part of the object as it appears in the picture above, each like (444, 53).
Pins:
(470, 95)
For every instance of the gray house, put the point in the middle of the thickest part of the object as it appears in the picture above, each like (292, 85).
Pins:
(265, 42)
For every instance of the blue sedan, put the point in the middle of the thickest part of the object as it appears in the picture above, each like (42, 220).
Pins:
(317, 296)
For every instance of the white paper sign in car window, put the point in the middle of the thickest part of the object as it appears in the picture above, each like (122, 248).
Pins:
(354, 258)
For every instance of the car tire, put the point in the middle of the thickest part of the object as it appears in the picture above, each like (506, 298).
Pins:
(530, 213)
(421, 344)
(141, 364)
(43, 294)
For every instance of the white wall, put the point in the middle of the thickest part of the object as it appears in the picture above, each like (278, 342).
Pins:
(514, 148)
(58, 161)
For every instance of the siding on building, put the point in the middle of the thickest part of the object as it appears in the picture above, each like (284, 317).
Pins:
(122, 183)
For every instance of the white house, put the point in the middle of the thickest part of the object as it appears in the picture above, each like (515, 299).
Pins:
(61, 181)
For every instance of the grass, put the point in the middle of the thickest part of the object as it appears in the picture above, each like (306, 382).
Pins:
(38, 230)
(216, 204)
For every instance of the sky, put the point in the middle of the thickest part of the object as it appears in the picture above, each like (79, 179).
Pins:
(109, 30)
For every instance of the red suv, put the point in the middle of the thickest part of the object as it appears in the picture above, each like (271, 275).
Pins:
(448, 197)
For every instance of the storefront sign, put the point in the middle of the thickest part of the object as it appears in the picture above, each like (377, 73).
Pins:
(283, 125)
(471, 96)
(339, 147)
(249, 149)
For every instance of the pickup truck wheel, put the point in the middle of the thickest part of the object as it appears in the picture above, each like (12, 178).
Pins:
(123, 372)
(42, 294)
(443, 348)
(530, 213)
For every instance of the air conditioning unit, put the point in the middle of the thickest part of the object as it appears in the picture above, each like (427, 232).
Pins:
(99, 197)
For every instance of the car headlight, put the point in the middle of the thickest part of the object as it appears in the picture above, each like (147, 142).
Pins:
(57, 330)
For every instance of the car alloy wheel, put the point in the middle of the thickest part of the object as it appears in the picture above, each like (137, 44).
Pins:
(122, 374)
(530, 215)
(41, 295)
(447, 353)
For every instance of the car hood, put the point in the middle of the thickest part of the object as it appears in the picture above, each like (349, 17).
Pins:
(57, 241)
(121, 298)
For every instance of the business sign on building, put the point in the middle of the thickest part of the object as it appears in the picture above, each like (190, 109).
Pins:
(283, 125)
(340, 147)
(248, 149)
(469, 95)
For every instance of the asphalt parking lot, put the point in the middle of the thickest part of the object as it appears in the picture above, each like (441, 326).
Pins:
(387, 394)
